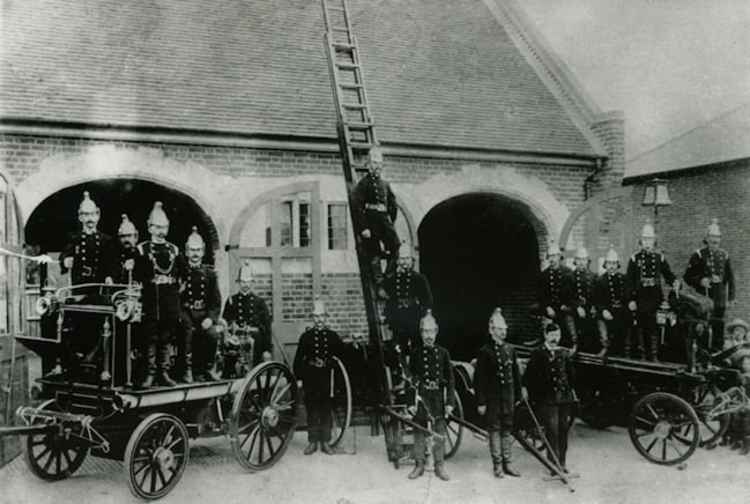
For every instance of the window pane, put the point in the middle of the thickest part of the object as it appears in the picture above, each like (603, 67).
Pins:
(304, 225)
(285, 223)
(337, 226)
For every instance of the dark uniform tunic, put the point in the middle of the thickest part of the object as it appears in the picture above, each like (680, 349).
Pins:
(249, 310)
(432, 373)
(162, 268)
(583, 286)
(643, 280)
(497, 382)
(93, 261)
(122, 275)
(555, 289)
(375, 202)
(409, 297)
(714, 265)
(549, 378)
(93, 257)
(317, 346)
(201, 299)
(609, 294)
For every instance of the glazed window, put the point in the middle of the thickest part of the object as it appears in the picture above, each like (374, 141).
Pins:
(337, 226)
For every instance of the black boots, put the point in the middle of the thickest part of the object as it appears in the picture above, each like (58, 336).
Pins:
(163, 373)
(496, 453)
(507, 443)
(311, 448)
(187, 375)
(440, 471)
(417, 471)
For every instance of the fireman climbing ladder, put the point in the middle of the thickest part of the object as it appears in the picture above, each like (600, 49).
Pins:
(356, 134)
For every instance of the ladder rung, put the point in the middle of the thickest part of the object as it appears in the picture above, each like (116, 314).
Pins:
(343, 46)
(359, 125)
(339, 29)
(354, 106)
(360, 145)
(337, 9)
(347, 66)
(351, 86)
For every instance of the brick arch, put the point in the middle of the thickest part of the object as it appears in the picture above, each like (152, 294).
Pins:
(531, 193)
(61, 171)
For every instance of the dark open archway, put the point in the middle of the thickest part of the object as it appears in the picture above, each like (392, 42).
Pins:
(57, 216)
(480, 251)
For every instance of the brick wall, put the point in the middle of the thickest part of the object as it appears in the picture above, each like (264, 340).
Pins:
(21, 155)
(610, 129)
(698, 196)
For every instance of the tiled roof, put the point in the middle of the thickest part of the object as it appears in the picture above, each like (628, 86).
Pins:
(438, 72)
(724, 138)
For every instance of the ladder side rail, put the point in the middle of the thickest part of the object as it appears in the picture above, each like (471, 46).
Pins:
(371, 310)
(363, 98)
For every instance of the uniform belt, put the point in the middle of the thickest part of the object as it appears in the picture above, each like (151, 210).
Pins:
(163, 280)
(648, 282)
(431, 385)
(198, 305)
(380, 207)
(87, 271)
(405, 303)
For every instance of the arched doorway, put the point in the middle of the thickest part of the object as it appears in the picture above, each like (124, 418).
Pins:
(480, 251)
(51, 222)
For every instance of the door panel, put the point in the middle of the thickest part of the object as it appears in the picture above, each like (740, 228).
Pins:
(280, 234)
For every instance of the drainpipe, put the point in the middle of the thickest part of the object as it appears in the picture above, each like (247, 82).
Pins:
(591, 177)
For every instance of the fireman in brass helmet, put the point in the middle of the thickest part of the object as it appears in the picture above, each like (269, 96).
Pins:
(375, 204)
(128, 255)
(163, 269)
(644, 275)
(610, 303)
(583, 286)
(710, 273)
(201, 302)
(246, 311)
(555, 294)
(89, 255)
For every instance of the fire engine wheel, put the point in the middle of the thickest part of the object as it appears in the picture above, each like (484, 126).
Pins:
(711, 427)
(53, 455)
(342, 402)
(156, 456)
(454, 430)
(263, 417)
(664, 428)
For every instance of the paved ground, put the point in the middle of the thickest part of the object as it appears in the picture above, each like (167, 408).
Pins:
(611, 471)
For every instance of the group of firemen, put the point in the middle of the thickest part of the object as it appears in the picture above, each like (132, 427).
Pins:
(181, 305)
(620, 309)
(181, 302)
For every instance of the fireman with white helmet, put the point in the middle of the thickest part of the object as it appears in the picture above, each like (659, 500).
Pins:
(610, 303)
(555, 294)
(644, 275)
(163, 269)
(201, 302)
(128, 255)
(497, 382)
(89, 255)
(710, 273)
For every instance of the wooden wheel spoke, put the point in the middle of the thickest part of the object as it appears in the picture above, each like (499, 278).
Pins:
(262, 445)
(682, 440)
(645, 421)
(664, 449)
(279, 393)
(710, 428)
(67, 456)
(137, 471)
(251, 433)
(275, 383)
(271, 451)
(652, 411)
(153, 481)
(58, 462)
(162, 479)
(175, 442)
(651, 445)
(247, 426)
(168, 436)
(48, 464)
(674, 447)
(644, 434)
(252, 443)
(47, 449)
(145, 475)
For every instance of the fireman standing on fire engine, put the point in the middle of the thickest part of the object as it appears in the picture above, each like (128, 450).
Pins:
(583, 285)
(555, 292)
(90, 257)
(710, 273)
(610, 302)
(248, 312)
(163, 267)
(127, 253)
(375, 203)
(201, 301)
(644, 281)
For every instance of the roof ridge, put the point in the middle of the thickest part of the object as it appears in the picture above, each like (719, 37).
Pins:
(688, 131)
(551, 69)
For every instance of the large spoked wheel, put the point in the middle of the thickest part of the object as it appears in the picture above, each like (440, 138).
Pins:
(454, 430)
(711, 427)
(156, 456)
(53, 455)
(342, 402)
(664, 428)
(263, 416)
